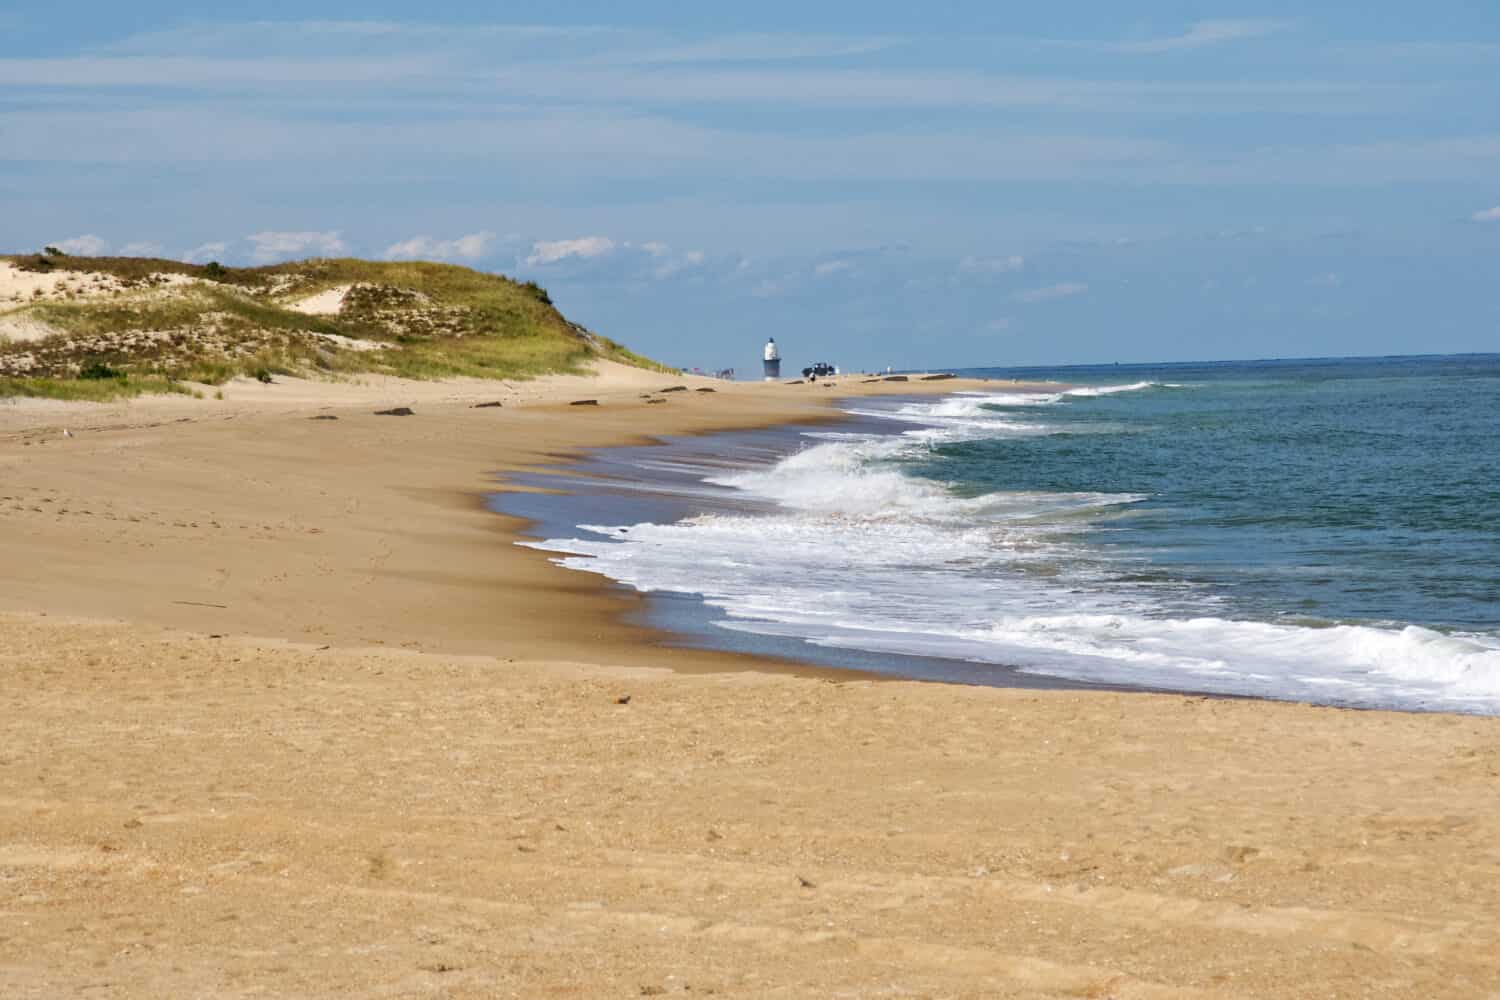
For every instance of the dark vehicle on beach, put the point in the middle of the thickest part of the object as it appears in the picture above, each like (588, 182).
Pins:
(822, 368)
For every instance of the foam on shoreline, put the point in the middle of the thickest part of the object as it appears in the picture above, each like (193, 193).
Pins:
(855, 553)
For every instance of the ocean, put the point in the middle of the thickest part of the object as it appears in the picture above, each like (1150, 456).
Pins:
(1324, 530)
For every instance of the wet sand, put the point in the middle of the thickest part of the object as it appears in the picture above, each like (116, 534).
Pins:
(283, 712)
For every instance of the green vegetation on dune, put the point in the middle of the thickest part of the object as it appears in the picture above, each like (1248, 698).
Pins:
(130, 269)
(414, 320)
(619, 352)
(176, 311)
(90, 390)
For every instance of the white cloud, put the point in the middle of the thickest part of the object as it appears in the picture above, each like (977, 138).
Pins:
(485, 81)
(1329, 280)
(205, 252)
(833, 267)
(1488, 215)
(688, 260)
(999, 325)
(552, 251)
(470, 247)
(656, 249)
(587, 144)
(992, 265)
(143, 248)
(273, 246)
(1203, 33)
(748, 48)
(87, 245)
(106, 71)
(1062, 290)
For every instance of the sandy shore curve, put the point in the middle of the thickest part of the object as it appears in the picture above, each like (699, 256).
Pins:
(284, 712)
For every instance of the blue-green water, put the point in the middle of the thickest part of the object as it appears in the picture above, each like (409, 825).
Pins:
(1325, 531)
(1364, 490)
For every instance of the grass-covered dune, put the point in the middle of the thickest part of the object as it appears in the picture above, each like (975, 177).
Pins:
(103, 327)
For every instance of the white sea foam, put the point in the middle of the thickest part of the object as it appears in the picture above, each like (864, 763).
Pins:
(1086, 391)
(861, 555)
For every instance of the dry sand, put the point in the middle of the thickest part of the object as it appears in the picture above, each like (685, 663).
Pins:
(283, 713)
(325, 303)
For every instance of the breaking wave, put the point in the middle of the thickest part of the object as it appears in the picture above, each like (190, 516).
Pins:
(860, 553)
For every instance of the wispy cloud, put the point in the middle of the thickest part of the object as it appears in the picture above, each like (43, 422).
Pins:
(761, 47)
(1488, 215)
(1446, 53)
(589, 143)
(551, 251)
(830, 267)
(572, 44)
(1062, 290)
(273, 246)
(187, 72)
(142, 248)
(87, 245)
(671, 265)
(771, 288)
(206, 252)
(1199, 34)
(821, 88)
(535, 41)
(470, 247)
(992, 265)
(475, 66)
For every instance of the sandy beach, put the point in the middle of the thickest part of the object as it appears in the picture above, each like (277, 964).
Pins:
(284, 712)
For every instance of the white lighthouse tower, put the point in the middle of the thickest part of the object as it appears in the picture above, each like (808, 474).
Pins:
(773, 360)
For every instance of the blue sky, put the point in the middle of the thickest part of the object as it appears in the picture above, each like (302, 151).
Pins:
(913, 185)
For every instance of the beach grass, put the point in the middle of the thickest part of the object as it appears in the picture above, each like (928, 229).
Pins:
(619, 352)
(176, 311)
(91, 390)
(482, 357)
(134, 269)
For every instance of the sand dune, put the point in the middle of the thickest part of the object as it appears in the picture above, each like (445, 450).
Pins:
(325, 303)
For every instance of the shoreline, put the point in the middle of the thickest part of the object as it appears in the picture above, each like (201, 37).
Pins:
(457, 773)
(461, 471)
(621, 484)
